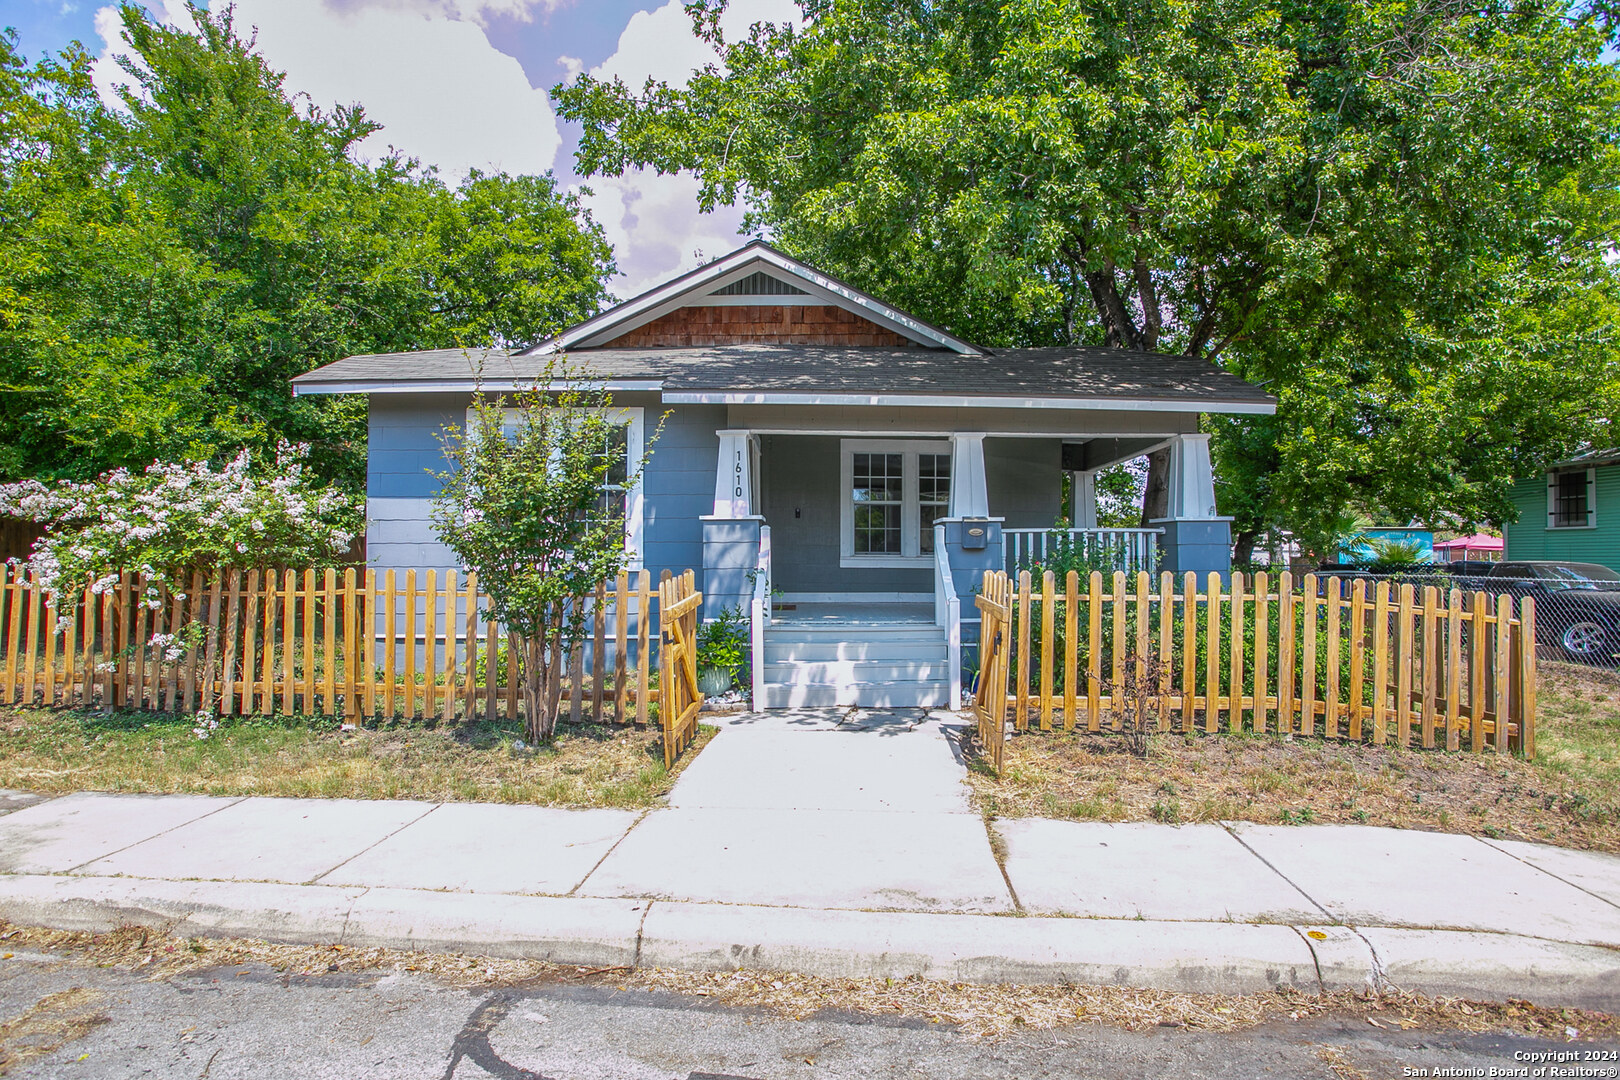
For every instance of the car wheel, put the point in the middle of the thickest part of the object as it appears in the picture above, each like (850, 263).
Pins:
(1586, 642)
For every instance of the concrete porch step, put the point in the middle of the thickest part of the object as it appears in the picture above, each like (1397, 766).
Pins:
(839, 672)
(778, 651)
(901, 695)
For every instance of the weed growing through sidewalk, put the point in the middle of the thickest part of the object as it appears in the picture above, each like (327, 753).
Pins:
(587, 765)
(1569, 794)
(980, 1011)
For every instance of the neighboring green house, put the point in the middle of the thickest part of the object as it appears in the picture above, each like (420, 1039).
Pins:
(1570, 513)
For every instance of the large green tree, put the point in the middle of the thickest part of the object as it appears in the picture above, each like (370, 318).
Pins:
(166, 268)
(1394, 214)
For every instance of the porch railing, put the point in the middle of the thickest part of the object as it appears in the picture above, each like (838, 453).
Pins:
(1129, 550)
(948, 613)
(759, 613)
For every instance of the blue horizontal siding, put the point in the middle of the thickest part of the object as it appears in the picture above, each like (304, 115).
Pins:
(405, 453)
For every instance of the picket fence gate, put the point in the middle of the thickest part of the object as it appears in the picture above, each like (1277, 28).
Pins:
(360, 645)
(1395, 666)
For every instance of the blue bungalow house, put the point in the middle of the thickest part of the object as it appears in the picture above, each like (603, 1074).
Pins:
(824, 447)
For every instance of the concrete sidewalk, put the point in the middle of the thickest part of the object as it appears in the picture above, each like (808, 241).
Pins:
(839, 845)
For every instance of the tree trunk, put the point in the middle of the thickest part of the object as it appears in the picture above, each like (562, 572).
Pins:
(539, 721)
(1156, 495)
(1243, 550)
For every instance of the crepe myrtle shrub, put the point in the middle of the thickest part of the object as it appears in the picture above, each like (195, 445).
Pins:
(531, 503)
(177, 518)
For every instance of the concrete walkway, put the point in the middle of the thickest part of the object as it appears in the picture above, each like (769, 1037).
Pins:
(840, 844)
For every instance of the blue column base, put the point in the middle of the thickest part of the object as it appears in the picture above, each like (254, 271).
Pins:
(1201, 546)
(730, 554)
(968, 567)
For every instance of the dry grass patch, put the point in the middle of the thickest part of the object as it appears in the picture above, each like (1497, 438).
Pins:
(1569, 795)
(978, 1010)
(588, 765)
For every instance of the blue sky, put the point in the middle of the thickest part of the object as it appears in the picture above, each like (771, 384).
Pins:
(463, 84)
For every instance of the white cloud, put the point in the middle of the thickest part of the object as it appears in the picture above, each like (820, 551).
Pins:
(660, 44)
(653, 221)
(478, 11)
(654, 226)
(442, 92)
(106, 73)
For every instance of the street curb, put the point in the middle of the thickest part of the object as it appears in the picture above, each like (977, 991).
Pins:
(1199, 957)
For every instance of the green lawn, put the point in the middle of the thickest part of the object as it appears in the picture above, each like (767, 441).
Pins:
(588, 765)
(1569, 794)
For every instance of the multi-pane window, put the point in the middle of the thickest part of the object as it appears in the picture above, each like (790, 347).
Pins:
(1569, 499)
(618, 499)
(877, 484)
(893, 493)
(933, 496)
(615, 498)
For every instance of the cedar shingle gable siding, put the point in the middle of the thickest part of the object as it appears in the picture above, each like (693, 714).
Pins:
(764, 324)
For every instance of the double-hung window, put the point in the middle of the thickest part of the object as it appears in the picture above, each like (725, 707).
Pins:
(618, 496)
(892, 491)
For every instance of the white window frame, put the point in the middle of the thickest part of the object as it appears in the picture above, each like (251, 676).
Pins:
(634, 420)
(910, 552)
(1552, 500)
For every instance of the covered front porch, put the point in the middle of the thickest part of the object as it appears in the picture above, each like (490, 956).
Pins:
(857, 549)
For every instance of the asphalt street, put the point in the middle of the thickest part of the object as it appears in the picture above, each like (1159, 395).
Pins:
(251, 1022)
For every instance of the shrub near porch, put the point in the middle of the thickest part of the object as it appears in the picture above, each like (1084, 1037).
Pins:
(588, 765)
(1568, 795)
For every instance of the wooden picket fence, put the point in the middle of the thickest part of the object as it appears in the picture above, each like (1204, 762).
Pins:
(357, 644)
(678, 606)
(1381, 665)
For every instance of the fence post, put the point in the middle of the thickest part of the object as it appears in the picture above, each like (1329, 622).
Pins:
(1431, 669)
(469, 690)
(1358, 654)
(1454, 605)
(1380, 664)
(1166, 658)
(1071, 648)
(621, 639)
(1094, 597)
(1189, 650)
(351, 649)
(643, 645)
(1504, 667)
(1307, 668)
(1527, 677)
(447, 702)
(11, 577)
(1212, 655)
(1476, 674)
(1404, 657)
(1335, 649)
(1234, 648)
(1021, 616)
(1048, 641)
(430, 655)
(329, 639)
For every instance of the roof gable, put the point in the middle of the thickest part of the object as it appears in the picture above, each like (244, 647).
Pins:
(755, 276)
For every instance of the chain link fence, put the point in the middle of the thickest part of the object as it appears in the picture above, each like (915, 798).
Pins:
(1577, 604)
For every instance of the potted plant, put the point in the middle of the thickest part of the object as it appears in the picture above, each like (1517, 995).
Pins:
(722, 649)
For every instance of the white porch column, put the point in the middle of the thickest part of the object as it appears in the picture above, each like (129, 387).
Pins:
(1192, 481)
(1083, 494)
(970, 494)
(734, 476)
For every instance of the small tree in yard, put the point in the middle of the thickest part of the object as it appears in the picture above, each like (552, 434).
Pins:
(533, 502)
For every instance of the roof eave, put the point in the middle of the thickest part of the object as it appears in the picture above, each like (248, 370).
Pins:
(460, 386)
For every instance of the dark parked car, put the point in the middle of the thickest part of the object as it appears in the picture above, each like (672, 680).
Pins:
(1577, 605)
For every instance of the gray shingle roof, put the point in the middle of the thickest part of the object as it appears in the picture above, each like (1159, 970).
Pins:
(1047, 373)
